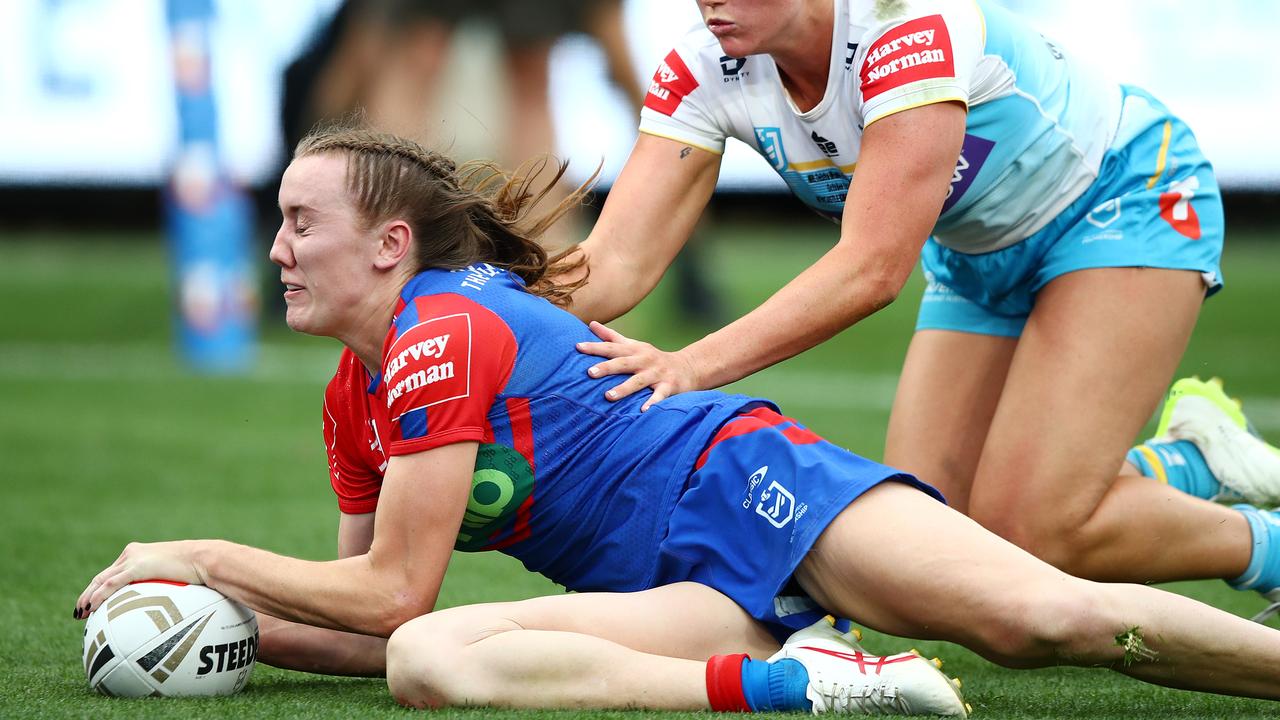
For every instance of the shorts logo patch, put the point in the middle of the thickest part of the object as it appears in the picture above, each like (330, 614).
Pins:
(1176, 209)
(671, 83)
(1105, 214)
(916, 50)
(753, 482)
(777, 505)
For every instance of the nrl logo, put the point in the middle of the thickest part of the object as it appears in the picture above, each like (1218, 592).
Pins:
(770, 141)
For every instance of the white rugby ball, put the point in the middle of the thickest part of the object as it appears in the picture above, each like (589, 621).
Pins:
(169, 639)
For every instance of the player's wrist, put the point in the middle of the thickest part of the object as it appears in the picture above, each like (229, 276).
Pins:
(205, 557)
(696, 370)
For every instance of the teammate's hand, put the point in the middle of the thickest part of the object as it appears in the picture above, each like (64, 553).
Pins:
(666, 373)
(141, 561)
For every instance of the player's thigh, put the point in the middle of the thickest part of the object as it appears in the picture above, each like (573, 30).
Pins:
(1096, 355)
(900, 562)
(685, 620)
(947, 394)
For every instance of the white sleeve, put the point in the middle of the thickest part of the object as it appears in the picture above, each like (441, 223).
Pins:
(919, 59)
(678, 107)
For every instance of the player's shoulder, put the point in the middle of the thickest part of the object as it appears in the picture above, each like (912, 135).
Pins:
(436, 293)
(442, 314)
(872, 18)
(697, 69)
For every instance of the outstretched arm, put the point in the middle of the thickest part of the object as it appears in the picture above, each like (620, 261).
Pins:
(649, 215)
(894, 200)
(295, 646)
(419, 513)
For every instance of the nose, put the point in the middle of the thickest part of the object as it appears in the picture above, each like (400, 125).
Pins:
(281, 254)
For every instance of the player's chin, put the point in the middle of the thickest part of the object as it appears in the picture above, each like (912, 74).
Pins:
(299, 321)
(738, 47)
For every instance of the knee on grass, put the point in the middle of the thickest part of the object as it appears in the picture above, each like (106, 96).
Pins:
(429, 664)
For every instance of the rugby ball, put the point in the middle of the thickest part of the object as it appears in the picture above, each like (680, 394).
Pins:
(158, 638)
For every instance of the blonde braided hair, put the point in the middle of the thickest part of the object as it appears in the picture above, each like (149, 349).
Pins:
(459, 216)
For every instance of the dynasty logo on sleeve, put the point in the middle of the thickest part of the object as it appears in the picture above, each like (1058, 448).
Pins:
(916, 50)
(671, 83)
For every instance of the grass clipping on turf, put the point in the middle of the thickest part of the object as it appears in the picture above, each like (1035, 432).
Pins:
(1135, 648)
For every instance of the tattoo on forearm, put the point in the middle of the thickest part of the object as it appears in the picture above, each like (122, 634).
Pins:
(685, 152)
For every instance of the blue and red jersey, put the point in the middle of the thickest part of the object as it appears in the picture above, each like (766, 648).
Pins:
(576, 487)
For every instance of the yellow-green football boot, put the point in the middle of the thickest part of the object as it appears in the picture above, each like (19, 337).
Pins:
(1201, 412)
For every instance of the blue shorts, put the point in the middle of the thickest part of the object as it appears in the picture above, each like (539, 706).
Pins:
(1154, 204)
(761, 494)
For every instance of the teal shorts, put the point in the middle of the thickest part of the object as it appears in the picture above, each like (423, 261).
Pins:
(1154, 204)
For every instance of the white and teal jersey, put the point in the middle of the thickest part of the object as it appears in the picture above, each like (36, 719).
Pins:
(1038, 124)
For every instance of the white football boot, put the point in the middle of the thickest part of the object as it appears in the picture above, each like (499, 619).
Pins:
(846, 680)
(1247, 467)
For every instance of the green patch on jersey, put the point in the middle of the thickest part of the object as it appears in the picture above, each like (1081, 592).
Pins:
(502, 481)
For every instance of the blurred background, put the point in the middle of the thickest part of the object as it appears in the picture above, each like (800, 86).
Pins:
(90, 84)
(176, 116)
(148, 388)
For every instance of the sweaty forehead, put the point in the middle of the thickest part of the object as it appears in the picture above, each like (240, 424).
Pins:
(315, 181)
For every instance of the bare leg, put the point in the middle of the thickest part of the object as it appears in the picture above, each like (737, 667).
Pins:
(943, 408)
(597, 650)
(956, 581)
(606, 22)
(531, 131)
(1095, 358)
(401, 94)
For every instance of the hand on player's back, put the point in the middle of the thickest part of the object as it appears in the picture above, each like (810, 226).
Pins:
(666, 373)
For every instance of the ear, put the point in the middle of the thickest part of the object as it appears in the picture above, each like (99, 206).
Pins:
(395, 244)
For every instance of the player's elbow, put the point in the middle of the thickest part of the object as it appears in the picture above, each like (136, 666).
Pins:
(869, 279)
(877, 289)
(395, 609)
(616, 282)
(405, 609)
(882, 291)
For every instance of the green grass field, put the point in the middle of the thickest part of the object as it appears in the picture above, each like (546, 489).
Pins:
(104, 439)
